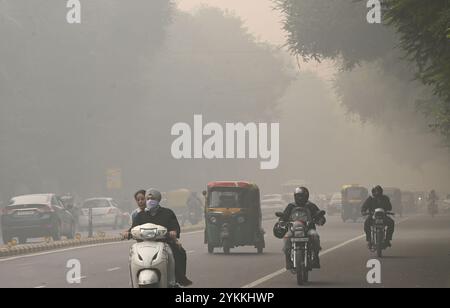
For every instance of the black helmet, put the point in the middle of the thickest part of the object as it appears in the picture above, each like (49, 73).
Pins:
(377, 190)
(280, 230)
(301, 195)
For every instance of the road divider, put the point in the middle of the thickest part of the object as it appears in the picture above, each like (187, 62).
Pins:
(13, 249)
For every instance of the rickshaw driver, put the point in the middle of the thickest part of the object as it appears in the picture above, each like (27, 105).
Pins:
(301, 197)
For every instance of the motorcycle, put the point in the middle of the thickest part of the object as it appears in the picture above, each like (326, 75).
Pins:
(151, 261)
(301, 246)
(378, 230)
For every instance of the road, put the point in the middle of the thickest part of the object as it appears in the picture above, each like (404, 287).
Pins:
(420, 257)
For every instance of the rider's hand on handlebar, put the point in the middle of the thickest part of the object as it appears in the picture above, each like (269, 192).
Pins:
(173, 234)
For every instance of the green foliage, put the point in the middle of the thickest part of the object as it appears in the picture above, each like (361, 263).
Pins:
(338, 30)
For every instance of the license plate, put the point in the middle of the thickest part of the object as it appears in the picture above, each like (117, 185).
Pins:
(25, 213)
(301, 240)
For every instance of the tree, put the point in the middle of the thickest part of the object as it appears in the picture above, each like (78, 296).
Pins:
(423, 27)
(64, 88)
(319, 29)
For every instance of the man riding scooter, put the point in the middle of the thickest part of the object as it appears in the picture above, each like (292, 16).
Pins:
(155, 214)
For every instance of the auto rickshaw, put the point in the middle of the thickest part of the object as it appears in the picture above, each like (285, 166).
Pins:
(233, 216)
(395, 195)
(353, 197)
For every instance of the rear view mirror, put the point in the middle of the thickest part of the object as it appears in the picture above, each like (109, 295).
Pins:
(279, 214)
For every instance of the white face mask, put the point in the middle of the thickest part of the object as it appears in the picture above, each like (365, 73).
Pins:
(152, 203)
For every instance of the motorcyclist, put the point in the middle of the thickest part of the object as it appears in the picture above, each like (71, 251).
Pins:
(378, 201)
(301, 198)
(194, 207)
(165, 217)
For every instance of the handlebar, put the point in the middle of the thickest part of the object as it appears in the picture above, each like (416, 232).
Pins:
(371, 213)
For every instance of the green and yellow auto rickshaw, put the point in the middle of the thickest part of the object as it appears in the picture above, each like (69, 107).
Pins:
(233, 216)
(353, 197)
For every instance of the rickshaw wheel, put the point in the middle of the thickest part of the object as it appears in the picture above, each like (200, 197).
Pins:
(226, 250)
(210, 249)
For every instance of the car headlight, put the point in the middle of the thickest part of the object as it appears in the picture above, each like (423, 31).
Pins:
(213, 219)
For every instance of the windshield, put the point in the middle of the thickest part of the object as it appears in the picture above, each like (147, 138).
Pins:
(300, 214)
(230, 198)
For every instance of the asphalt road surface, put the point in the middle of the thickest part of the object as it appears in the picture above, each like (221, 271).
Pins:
(420, 257)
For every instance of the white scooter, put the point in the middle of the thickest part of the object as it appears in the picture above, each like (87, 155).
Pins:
(151, 260)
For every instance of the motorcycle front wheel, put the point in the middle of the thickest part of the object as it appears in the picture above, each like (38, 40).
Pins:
(380, 240)
(302, 271)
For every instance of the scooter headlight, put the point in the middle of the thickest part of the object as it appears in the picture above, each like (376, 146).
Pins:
(149, 233)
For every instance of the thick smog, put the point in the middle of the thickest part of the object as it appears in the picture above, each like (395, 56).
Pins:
(198, 145)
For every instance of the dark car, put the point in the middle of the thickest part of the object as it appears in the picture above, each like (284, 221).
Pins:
(32, 216)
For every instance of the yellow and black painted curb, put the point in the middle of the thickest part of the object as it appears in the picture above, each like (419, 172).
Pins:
(12, 249)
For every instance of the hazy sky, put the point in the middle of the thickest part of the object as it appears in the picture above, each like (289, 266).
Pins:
(263, 22)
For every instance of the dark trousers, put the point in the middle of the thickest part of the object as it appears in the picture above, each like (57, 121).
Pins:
(390, 227)
(179, 254)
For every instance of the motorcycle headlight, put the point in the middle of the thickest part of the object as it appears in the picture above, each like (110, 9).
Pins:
(240, 219)
(213, 219)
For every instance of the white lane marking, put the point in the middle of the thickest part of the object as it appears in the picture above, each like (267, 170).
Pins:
(283, 270)
(113, 269)
(40, 287)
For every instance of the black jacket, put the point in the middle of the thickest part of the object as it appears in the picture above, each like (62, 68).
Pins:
(162, 217)
(371, 204)
(314, 210)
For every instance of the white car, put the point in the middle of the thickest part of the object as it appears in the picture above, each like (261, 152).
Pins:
(273, 200)
(105, 213)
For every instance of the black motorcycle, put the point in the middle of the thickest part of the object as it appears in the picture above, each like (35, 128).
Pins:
(378, 230)
(301, 247)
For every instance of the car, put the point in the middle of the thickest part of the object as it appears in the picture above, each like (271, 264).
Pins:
(105, 213)
(273, 200)
(33, 216)
(334, 207)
